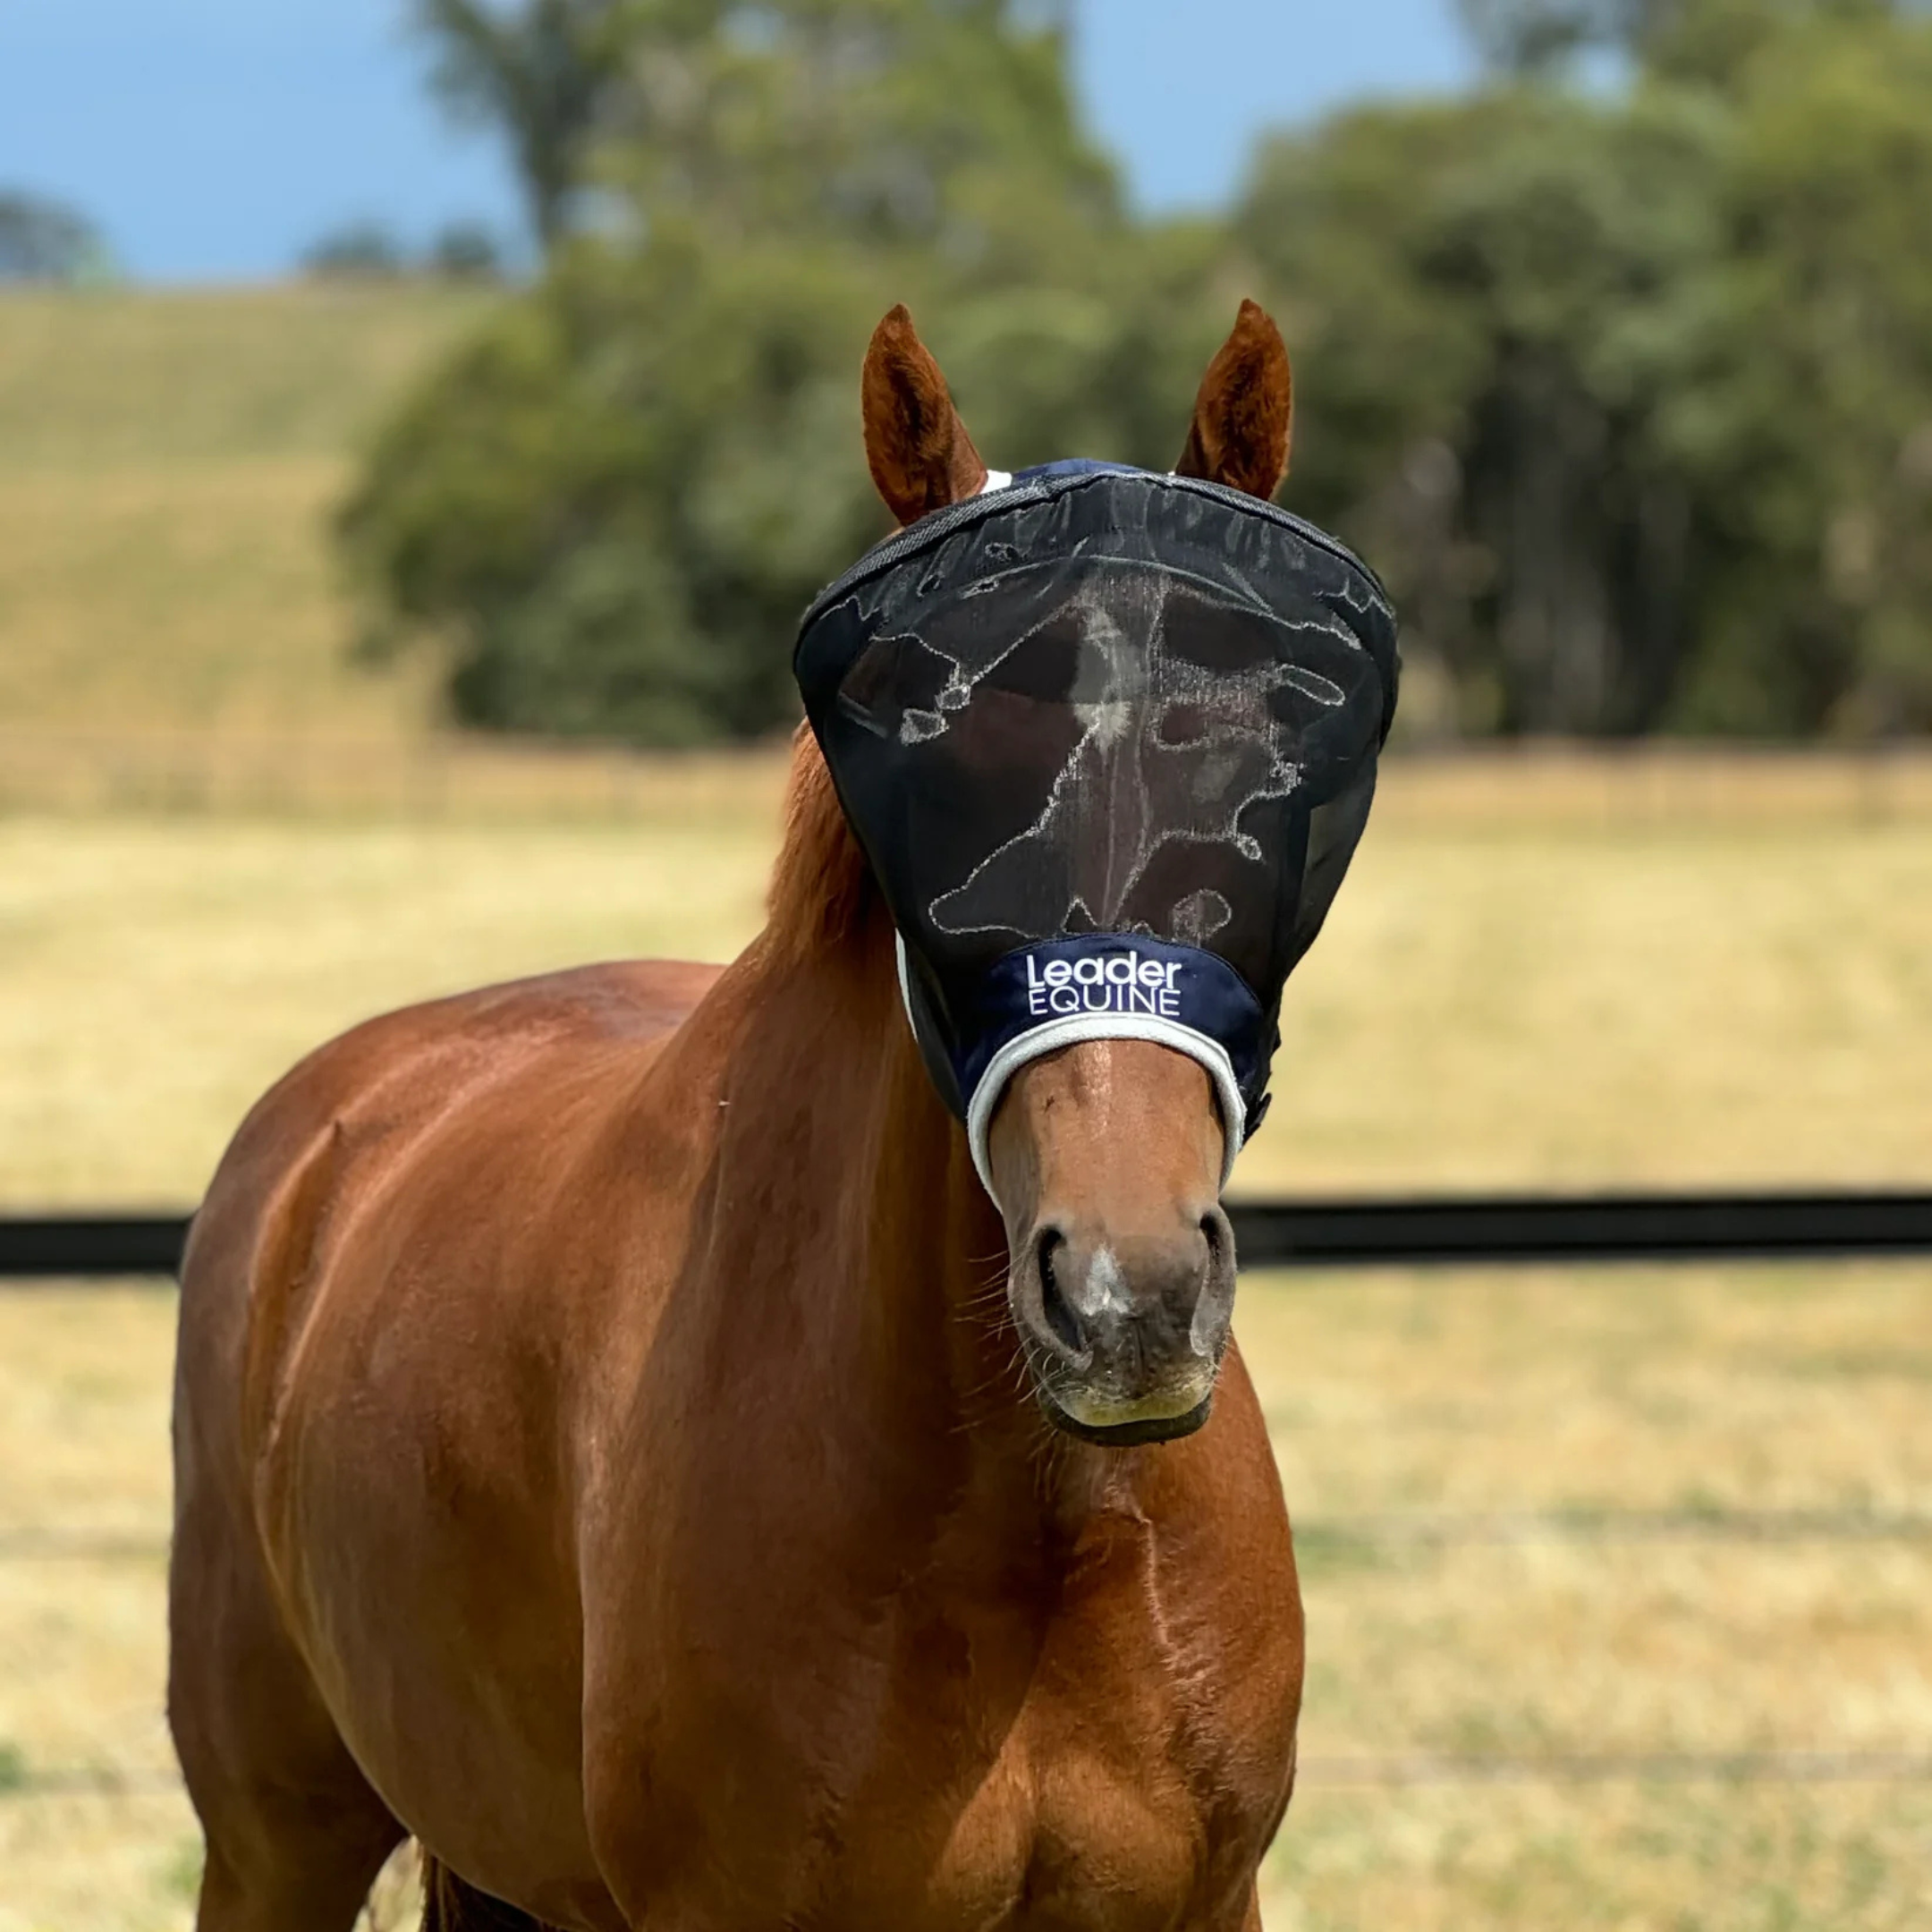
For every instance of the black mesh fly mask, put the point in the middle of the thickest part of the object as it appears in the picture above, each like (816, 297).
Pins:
(1108, 739)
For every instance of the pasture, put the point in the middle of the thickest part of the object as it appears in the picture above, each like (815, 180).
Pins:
(221, 842)
(167, 465)
(1555, 981)
(1703, 1391)
(1534, 976)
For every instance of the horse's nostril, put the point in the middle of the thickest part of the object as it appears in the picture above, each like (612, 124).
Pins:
(1210, 1227)
(1059, 1317)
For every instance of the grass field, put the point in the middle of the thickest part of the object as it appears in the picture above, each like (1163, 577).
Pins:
(1510, 992)
(1529, 978)
(218, 844)
(1703, 1391)
(167, 465)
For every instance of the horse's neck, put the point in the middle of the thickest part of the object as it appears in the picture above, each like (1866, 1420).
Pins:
(877, 1216)
(870, 1222)
(857, 1229)
(846, 1216)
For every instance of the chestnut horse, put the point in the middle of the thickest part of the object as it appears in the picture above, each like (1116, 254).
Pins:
(606, 1444)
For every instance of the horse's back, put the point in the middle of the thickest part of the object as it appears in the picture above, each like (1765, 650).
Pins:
(415, 1061)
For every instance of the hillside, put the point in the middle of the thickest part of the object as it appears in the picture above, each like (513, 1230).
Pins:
(167, 465)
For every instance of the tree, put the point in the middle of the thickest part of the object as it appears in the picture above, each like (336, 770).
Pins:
(44, 241)
(1810, 439)
(946, 125)
(1626, 388)
(1491, 303)
(1704, 41)
(1619, 388)
(612, 506)
(357, 252)
(466, 251)
(540, 75)
(1534, 37)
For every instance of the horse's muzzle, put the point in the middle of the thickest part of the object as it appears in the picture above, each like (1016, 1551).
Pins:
(1123, 1334)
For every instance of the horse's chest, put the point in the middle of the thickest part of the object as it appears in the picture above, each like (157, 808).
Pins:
(1106, 1744)
(1113, 1792)
(1060, 1838)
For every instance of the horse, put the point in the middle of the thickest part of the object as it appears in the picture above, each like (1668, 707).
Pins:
(610, 1441)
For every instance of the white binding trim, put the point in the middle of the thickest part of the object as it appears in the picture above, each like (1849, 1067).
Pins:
(995, 479)
(905, 985)
(1068, 1030)
(1073, 1027)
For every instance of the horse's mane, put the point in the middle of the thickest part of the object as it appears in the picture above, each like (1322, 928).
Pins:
(821, 888)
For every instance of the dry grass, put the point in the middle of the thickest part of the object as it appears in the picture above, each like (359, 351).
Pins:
(1752, 1003)
(83, 1432)
(1671, 1004)
(157, 976)
(441, 779)
(1388, 1395)
(1547, 969)
(330, 769)
(95, 379)
(1530, 997)
(204, 595)
(1620, 1859)
(167, 462)
(1704, 1389)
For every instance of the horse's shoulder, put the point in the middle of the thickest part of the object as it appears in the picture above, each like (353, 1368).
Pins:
(376, 1102)
(618, 999)
(383, 1079)
(498, 1025)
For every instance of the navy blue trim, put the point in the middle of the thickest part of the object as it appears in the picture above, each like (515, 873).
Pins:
(1040, 485)
(1076, 466)
(1138, 977)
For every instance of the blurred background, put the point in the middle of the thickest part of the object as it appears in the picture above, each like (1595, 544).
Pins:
(422, 422)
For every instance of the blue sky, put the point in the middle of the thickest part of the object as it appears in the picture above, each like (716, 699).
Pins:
(214, 139)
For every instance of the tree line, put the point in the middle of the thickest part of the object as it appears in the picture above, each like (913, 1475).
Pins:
(45, 240)
(1617, 366)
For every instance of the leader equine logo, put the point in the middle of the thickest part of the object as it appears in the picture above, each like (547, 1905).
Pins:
(1104, 982)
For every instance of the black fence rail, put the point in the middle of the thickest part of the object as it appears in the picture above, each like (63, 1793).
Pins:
(1529, 1228)
(1365, 1231)
(49, 1247)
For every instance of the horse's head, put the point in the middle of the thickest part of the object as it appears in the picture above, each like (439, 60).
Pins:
(1108, 739)
(1106, 1157)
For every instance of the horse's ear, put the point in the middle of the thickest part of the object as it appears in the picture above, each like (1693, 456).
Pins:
(921, 457)
(1244, 415)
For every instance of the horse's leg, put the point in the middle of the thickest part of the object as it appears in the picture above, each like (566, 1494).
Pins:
(449, 1905)
(295, 1834)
